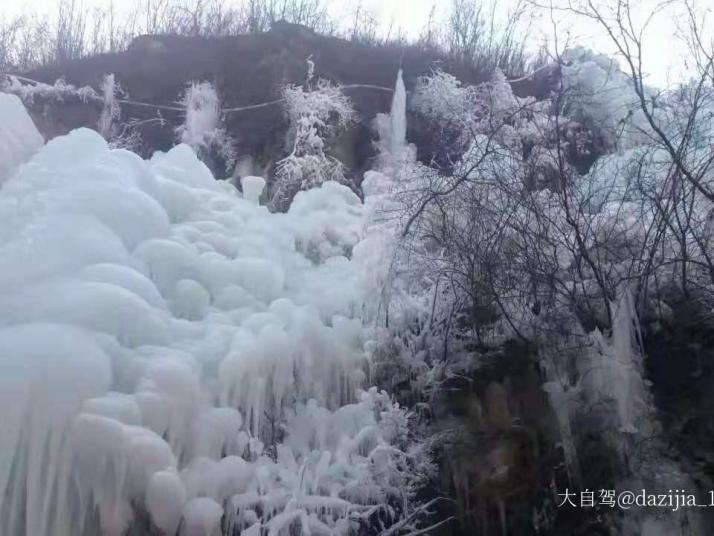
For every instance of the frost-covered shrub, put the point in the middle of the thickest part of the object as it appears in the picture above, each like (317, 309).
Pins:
(60, 91)
(202, 128)
(446, 108)
(572, 228)
(523, 237)
(442, 98)
(454, 114)
(316, 114)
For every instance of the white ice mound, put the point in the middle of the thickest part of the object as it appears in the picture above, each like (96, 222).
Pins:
(19, 137)
(170, 347)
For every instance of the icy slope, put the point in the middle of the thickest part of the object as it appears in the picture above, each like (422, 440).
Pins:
(169, 347)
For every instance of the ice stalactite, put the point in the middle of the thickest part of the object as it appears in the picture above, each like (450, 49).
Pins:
(560, 400)
(398, 116)
(612, 373)
(392, 131)
(609, 375)
(387, 203)
(627, 377)
(110, 109)
(650, 465)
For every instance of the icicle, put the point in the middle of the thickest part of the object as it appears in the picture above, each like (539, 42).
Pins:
(110, 110)
(398, 118)
(502, 517)
(310, 70)
(629, 389)
(560, 403)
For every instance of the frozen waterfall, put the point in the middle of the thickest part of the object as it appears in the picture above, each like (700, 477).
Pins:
(169, 348)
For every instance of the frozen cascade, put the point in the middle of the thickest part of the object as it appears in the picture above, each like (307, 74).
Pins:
(612, 376)
(381, 187)
(394, 150)
(626, 372)
(380, 251)
(398, 116)
(656, 470)
(610, 373)
(170, 346)
(559, 400)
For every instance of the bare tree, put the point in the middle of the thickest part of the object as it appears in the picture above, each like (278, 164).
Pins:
(476, 38)
(70, 33)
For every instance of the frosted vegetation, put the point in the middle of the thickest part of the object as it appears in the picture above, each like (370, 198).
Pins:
(202, 129)
(32, 91)
(317, 112)
(519, 232)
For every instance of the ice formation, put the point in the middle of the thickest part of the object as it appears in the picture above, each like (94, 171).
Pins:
(202, 114)
(398, 115)
(252, 188)
(171, 347)
(110, 108)
(19, 138)
(202, 128)
(392, 130)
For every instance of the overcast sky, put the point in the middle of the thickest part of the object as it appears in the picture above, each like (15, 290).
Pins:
(663, 60)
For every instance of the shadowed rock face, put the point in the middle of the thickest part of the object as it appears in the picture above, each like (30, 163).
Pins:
(248, 70)
(537, 84)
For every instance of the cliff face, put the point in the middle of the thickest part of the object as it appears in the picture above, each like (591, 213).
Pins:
(246, 70)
